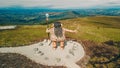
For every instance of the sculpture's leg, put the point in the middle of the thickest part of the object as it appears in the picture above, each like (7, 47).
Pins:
(62, 44)
(54, 44)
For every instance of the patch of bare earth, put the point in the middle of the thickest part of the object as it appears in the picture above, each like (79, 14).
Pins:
(13, 60)
(100, 55)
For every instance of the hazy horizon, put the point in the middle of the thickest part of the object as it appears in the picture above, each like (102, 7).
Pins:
(57, 4)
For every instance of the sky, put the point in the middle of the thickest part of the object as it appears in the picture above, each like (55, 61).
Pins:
(61, 3)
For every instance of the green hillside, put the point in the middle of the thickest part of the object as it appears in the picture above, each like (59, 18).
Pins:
(97, 29)
(92, 31)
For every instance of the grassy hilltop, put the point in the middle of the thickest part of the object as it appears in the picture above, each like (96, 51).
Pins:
(100, 35)
(98, 29)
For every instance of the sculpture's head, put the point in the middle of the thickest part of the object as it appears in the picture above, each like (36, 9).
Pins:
(57, 24)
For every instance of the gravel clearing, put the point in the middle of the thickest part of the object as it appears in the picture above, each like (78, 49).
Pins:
(43, 53)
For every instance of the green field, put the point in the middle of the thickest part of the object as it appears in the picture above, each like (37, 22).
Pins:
(90, 28)
(22, 35)
(98, 29)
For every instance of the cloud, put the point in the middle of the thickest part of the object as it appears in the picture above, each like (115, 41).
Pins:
(60, 3)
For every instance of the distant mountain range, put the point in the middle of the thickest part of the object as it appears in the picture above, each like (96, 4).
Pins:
(37, 15)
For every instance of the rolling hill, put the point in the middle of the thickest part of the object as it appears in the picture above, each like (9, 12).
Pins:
(98, 29)
(24, 16)
(100, 35)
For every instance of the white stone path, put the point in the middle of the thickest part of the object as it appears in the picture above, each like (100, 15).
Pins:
(43, 53)
(7, 27)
